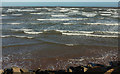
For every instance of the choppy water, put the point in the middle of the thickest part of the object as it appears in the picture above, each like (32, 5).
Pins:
(49, 37)
(69, 26)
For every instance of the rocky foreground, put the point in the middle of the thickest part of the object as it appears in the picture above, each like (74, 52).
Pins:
(114, 67)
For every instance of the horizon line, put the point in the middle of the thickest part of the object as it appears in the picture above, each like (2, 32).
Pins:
(58, 1)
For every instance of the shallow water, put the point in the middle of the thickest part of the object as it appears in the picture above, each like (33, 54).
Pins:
(40, 34)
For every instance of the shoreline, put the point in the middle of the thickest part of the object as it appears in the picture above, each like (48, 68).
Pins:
(57, 58)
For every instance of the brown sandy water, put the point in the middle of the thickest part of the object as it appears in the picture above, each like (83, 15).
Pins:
(56, 56)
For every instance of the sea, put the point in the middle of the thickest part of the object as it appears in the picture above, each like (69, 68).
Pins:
(72, 4)
(55, 35)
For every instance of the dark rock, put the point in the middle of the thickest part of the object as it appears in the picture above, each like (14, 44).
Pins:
(114, 63)
(93, 65)
(116, 70)
(8, 71)
(97, 69)
(109, 71)
(75, 69)
(24, 70)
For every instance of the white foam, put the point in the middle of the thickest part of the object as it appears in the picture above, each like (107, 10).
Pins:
(89, 14)
(83, 32)
(27, 31)
(21, 29)
(102, 23)
(59, 15)
(27, 10)
(105, 14)
(68, 23)
(69, 44)
(88, 32)
(40, 13)
(22, 36)
(14, 23)
(12, 10)
(3, 15)
(74, 11)
(18, 36)
(4, 36)
(64, 10)
(49, 9)
(36, 13)
(77, 59)
(38, 8)
(66, 19)
(107, 32)
(33, 32)
(74, 8)
(91, 35)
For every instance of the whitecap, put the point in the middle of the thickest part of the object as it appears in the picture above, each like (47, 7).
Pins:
(68, 31)
(101, 23)
(105, 14)
(32, 32)
(68, 23)
(13, 10)
(69, 44)
(64, 10)
(74, 8)
(65, 19)
(4, 36)
(22, 36)
(27, 31)
(17, 36)
(92, 35)
(106, 32)
(3, 15)
(19, 10)
(21, 29)
(36, 13)
(14, 23)
(59, 15)
(27, 10)
(40, 13)
(74, 11)
(89, 14)
(38, 8)
(76, 59)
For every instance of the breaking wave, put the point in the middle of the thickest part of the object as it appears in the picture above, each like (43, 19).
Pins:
(65, 19)
(17, 36)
